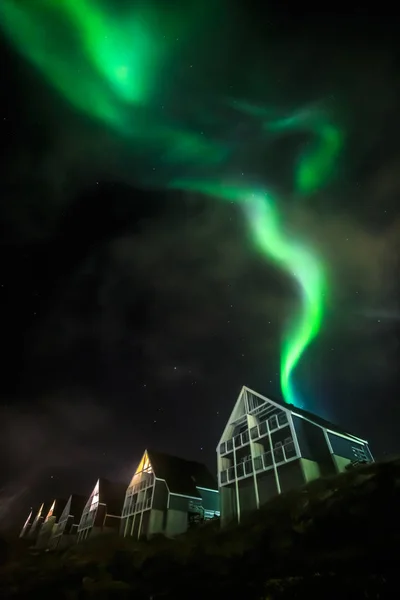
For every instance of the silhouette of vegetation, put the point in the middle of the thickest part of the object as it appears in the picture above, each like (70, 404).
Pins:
(336, 537)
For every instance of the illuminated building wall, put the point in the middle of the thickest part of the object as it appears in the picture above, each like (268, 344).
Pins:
(28, 523)
(102, 511)
(66, 530)
(268, 448)
(167, 495)
(50, 520)
(34, 529)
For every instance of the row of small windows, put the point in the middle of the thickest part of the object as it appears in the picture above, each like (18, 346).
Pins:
(142, 485)
(134, 507)
(272, 424)
(281, 453)
(360, 454)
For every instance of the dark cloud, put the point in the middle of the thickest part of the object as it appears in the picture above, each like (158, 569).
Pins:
(42, 440)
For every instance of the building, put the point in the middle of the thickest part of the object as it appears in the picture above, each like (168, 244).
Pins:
(65, 532)
(166, 495)
(35, 527)
(268, 448)
(28, 523)
(50, 522)
(102, 512)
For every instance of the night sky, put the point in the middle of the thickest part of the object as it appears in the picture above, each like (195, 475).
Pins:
(132, 313)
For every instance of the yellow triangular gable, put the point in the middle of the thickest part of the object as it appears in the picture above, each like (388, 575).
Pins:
(144, 466)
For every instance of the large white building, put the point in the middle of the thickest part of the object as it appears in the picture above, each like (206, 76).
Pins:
(268, 448)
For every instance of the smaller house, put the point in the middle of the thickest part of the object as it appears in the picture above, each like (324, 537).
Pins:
(167, 495)
(66, 531)
(102, 512)
(37, 522)
(28, 523)
(50, 522)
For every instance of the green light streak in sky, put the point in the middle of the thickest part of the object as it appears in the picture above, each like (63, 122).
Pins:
(116, 64)
(305, 267)
(128, 53)
(317, 164)
(292, 256)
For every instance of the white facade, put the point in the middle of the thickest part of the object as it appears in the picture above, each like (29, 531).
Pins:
(268, 448)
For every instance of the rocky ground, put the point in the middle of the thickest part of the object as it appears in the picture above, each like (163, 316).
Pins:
(335, 538)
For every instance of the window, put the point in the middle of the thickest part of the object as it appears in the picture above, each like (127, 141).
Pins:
(282, 419)
(258, 463)
(267, 456)
(248, 466)
(240, 470)
(254, 432)
(273, 422)
(245, 437)
(360, 454)
(278, 453)
(95, 498)
(263, 428)
(238, 440)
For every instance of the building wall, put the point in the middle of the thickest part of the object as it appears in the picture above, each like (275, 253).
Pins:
(180, 502)
(210, 499)
(347, 448)
(267, 487)
(313, 445)
(67, 540)
(156, 522)
(311, 469)
(60, 542)
(291, 476)
(160, 498)
(177, 522)
(112, 522)
(101, 513)
(228, 505)
(341, 462)
(247, 495)
(46, 531)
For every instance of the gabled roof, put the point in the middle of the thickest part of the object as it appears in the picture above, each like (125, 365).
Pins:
(32, 515)
(317, 419)
(28, 521)
(42, 510)
(56, 508)
(238, 410)
(111, 494)
(182, 476)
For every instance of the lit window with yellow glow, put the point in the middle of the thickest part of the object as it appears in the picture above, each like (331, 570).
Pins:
(144, 467)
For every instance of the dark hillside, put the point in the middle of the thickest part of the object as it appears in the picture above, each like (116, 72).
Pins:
(335, 538)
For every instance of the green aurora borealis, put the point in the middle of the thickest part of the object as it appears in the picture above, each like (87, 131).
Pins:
(117, 66)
